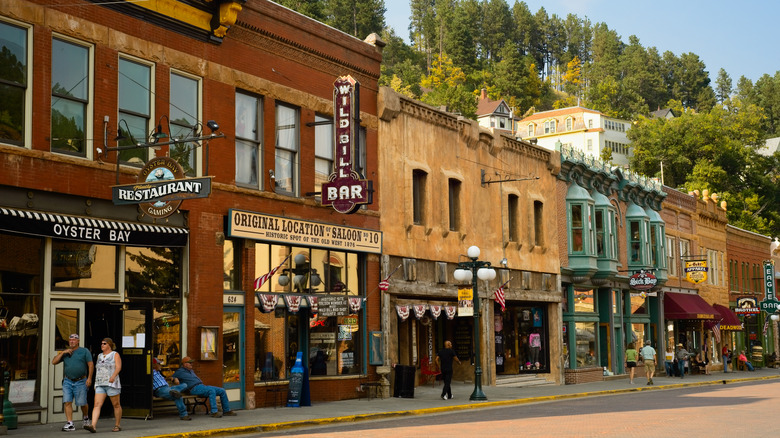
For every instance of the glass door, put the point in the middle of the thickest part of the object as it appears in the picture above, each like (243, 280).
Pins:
(233, 355)
(66, 318)
(135, 348)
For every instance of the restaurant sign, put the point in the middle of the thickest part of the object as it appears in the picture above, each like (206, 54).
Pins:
(747, 306)
(258, 226)
(696, 271)
(642, 280)
(346, 189)
(160, 188)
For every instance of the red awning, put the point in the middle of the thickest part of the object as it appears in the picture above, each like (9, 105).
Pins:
(688, 306)
(729, 319)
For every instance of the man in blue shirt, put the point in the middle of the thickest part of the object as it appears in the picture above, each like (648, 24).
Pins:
(195, 386)
(77, 377)
(161, 389)
(648, 356)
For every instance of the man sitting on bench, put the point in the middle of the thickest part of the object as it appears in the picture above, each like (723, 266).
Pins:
(161, 389)
(742, 358)
(195, 386)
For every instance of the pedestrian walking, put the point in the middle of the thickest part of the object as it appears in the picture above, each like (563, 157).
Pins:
(631, 356)
(107, 384)
(682, 357)
(444, 360)
(77, 377)
(648, 356)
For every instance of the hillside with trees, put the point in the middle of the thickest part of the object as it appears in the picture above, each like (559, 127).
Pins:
(537, 61)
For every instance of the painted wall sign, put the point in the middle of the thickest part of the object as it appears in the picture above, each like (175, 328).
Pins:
(257, 226)
(696, 271)
(346, 190)
(642, 280)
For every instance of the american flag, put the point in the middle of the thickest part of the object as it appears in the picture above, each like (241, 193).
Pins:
(501, 298)
(716, 332)
(260, 281)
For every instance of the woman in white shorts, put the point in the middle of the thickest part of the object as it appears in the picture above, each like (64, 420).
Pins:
(107, 369)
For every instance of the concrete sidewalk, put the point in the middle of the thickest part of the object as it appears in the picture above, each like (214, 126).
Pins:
(427, 400)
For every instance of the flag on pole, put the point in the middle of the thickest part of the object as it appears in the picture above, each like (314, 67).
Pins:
(501, 298)
(716, 332)
(260, 281)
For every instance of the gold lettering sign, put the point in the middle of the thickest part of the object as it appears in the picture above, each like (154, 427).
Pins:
(696, 271)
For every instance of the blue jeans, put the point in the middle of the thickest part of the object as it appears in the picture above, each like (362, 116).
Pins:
(668, 364)
(165, 392)
(212, 392)
(681, 368)
(725, 363)
(749, 366)
(74, 392)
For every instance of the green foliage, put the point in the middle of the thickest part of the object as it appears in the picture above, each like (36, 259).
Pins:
(447, 88)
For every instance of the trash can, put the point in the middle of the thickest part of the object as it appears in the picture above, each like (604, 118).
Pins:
(404, 381)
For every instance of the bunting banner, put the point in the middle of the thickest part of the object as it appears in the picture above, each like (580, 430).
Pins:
(355, 304)
(293, 303)
(267, 302)
(450, 311)
(435, 311)
(260, 281)
(313, 308)
(403, 311)
(419, 310)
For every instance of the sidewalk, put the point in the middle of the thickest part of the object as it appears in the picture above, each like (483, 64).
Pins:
(426, 400)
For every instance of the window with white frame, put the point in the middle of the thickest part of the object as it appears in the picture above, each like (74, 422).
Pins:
(590, 145)
(134, 89)
(549, 127)
(15, 92)
(568, 123)
(671, 259)
(249, 140)
(531, 129)
(70, 94)
(184, 116)
(323, 150)
(287, 144)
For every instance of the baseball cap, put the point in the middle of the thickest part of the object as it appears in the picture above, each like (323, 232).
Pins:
(74, 336)
(187, 359)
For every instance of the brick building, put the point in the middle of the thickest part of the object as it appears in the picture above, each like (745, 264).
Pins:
(241, 97)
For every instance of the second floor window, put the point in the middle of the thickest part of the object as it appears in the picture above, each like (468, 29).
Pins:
(70, 85)
(671, 257)
(538, 223)
(249, 145)
(568, 124)
(134, 109)
(549, 127)
(512, 212)
(635, 241)
(454, 204)
(577, 228)
(184, 116)
(323, 150)
(531, 129)
(418, 196)
(13, 83)
(287, 141)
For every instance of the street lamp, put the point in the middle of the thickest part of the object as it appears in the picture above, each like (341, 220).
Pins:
(470, 271)
(302, 273)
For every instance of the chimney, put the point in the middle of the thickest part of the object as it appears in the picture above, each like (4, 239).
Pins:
(483, 94)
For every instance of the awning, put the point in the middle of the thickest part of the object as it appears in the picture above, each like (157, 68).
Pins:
(87, 229)
(729, 319)
(688, 306)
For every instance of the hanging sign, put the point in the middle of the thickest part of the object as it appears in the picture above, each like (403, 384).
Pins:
(642, 280)
(465, 301)
(696, 271)
(770, 303)
(747, 306)
(345, 189)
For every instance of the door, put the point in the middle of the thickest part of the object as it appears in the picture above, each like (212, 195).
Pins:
(67, 318)
(233, 355)
(135, 347)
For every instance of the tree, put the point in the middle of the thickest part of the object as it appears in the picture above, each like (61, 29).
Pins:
(310, 8)
(447, 87)
(496, 28)
(358, 18)
(422, 28)
(723, 87)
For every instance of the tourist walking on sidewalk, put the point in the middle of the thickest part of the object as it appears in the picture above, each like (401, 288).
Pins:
(631, 357)
(648, 356)
(682, 357)
(444, 361)
(107, 384)
(77, 378)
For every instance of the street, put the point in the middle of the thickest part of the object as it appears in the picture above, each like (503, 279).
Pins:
(711, 411)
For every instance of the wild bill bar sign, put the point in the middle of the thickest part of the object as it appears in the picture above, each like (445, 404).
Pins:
(346, 190)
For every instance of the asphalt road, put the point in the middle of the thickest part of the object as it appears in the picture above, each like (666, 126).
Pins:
(735, 410)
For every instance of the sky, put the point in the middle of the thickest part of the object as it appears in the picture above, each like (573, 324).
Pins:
(738, 37)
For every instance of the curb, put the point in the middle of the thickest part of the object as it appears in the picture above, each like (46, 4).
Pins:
(271, 427)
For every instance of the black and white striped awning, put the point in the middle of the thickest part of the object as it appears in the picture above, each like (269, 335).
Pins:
(87, 229)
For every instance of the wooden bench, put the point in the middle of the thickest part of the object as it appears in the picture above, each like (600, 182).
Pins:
(163, 405)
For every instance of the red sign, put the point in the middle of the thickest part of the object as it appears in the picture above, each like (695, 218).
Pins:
(642, 280)
(346, 190)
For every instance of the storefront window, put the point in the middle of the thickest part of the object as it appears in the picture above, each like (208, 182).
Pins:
(77, 265)
(638, 306)
(20, 265)
(333, 332)
(230, 262)
(230, 347)
(638, 335)
(153, 272)
(586, 343)
(584, 301)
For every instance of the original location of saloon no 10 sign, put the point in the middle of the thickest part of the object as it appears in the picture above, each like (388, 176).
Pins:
(346, 190)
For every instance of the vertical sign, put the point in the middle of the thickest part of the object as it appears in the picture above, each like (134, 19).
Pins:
(769, 279)
(345, 189)
(465, 301)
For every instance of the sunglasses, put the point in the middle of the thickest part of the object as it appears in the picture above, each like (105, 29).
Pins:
(104, 343)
